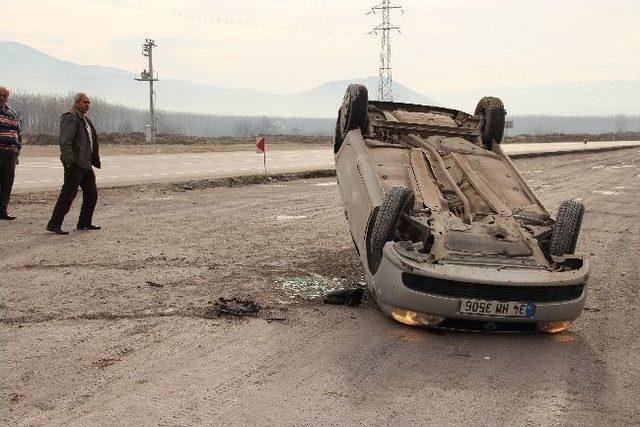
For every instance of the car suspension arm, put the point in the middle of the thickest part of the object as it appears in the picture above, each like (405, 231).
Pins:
(468, 217)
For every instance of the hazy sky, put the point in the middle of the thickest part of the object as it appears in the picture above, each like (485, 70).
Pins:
(286, 46)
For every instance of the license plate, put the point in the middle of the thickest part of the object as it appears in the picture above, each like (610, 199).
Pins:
(496, 308)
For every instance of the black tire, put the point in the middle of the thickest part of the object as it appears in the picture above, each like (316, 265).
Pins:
(564, 236)
(337, 139)
(352, 113)
(396, 202)
(494, 114)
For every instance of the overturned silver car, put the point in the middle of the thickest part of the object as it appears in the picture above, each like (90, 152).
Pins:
(448, 232)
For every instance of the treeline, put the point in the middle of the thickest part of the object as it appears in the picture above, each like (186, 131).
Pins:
(40, 114)
(541, 125)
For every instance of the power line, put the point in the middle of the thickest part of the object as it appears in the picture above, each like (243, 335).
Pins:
(126, 4)
(385, 84)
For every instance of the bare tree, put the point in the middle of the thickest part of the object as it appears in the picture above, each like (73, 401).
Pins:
(40, 114)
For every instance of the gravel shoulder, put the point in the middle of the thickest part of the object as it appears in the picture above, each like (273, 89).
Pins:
(115, 327)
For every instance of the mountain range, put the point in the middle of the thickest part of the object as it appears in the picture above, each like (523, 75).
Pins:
(26, 69)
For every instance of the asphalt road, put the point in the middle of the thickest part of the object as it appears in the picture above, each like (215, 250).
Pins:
(115, 328)
(46, 172)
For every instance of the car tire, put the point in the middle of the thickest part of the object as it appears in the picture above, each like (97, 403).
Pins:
(564, 236)
(352, 114)
(493, 112)
(396, 202)
(337, 139)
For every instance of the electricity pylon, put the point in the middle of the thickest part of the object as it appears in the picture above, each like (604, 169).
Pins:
(385, 84)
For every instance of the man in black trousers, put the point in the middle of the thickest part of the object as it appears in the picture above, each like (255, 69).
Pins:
(78, 154)
(10, 143)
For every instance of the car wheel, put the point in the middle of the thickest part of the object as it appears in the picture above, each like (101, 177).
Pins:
(352, 113)
(337, 139)
(493, 112)
(564, 236)
(397, 201)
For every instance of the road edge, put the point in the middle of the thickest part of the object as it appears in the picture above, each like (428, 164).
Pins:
(257, 179)
(559, 153)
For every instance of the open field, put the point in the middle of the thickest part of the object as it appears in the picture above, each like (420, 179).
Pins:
(133, 143)
(116, 327)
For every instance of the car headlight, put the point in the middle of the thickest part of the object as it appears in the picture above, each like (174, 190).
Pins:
(554, 327)
(413, 318)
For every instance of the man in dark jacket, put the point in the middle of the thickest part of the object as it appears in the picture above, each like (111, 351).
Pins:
(78, 154)
(10, 144)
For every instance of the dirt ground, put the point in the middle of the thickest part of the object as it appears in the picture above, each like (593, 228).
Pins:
(117, 327)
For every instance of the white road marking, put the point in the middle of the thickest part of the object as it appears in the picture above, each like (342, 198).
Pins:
(608, 193)
(618, 167)
(289, 217)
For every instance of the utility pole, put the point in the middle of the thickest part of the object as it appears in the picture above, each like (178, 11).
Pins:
(148, 76)
(385, 84)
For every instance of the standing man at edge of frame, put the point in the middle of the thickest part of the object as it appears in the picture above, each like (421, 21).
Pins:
(78, 154)
(10, 145)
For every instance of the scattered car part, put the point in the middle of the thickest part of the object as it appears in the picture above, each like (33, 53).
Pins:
(351, 297)
(235, 307)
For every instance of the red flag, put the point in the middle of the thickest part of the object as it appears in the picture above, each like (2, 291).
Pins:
(261, 144)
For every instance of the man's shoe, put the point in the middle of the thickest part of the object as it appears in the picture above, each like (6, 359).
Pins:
(88, 227)
(6, 216)
(57, 230)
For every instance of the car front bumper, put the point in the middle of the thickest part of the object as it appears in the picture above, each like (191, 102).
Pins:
(393, 296)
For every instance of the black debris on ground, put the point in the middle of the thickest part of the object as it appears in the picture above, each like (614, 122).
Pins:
(237, 307)
(154, 284)
(351, 297)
